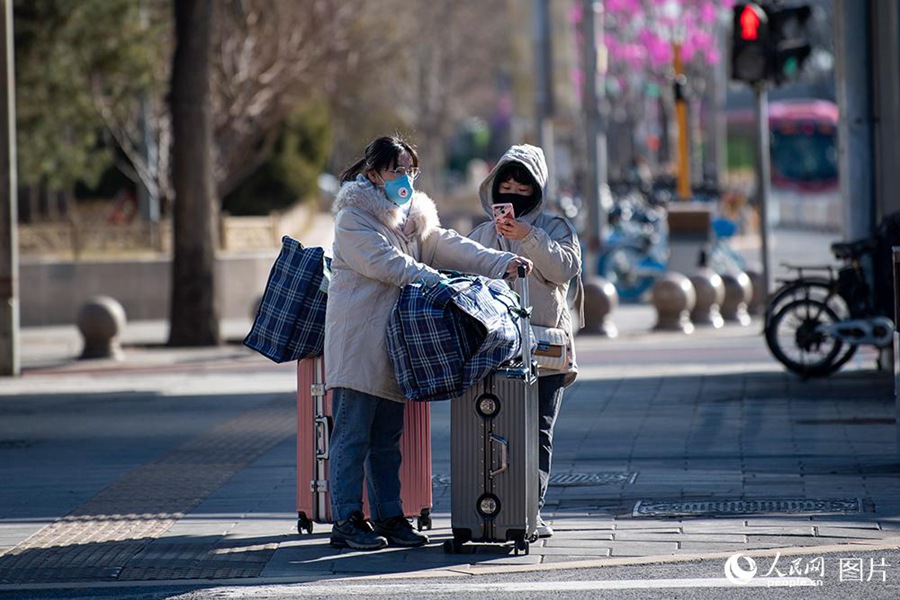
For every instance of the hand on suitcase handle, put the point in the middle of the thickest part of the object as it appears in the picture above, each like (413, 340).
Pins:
(515, 266)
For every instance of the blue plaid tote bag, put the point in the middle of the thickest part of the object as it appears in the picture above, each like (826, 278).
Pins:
(290, 323)
(444, 338)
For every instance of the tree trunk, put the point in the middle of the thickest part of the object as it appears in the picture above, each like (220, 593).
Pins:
(194, 315)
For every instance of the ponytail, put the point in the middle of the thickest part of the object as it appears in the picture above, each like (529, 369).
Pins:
(353, 170)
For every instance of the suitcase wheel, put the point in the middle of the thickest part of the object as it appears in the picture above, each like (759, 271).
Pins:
(304, 524)
(523, 545)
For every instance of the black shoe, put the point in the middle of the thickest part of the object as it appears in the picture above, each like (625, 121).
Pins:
(356, 533)
(399, 532)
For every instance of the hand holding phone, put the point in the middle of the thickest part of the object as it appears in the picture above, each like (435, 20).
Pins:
(503, 211)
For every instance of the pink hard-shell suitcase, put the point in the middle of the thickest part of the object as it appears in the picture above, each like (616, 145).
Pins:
(314, 425)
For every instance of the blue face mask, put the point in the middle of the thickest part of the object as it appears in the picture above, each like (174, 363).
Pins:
(399, 190)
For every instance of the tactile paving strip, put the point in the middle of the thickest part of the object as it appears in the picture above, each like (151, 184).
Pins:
(100, 539)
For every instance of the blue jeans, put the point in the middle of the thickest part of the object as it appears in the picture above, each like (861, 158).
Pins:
(550, 394)
(365, 441)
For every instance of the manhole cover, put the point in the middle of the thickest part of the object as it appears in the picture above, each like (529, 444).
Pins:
(567, 479)
(737, 506)
(586, 479)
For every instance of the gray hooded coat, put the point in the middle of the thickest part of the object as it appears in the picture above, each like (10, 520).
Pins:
(375, 255)
(552, 245)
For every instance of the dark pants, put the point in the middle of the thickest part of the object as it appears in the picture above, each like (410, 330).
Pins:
(550, 394)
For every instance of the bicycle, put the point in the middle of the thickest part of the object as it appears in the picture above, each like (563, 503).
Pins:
(635, 253)
(721, 257)
(815, 321)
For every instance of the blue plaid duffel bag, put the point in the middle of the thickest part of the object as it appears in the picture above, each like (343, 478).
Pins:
(290, 322)
(444, 338)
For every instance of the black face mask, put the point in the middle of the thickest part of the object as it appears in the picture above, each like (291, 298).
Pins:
(521, 204)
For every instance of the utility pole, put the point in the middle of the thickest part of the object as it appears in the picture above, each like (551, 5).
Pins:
(148, 190)
(9, 243)
(855, 85)
(596, 173)
(544, 109)
(763, 177)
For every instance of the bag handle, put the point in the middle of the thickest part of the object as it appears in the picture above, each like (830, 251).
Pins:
(525, 318)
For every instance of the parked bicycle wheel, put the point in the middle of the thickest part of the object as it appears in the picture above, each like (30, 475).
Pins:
(819, 289)
(795, 338)
(627, 268)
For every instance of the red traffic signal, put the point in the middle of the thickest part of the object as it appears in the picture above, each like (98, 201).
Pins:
(749, 43)
(749, 21)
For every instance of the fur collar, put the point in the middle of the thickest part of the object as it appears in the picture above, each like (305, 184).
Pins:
(364, 195)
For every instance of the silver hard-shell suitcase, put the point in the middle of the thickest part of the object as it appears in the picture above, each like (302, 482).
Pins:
(494, 453)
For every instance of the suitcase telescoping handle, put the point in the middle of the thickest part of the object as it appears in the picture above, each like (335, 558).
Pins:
(525, 321)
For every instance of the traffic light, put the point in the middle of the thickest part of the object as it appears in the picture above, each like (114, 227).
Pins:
(789, 44)
(750, 43)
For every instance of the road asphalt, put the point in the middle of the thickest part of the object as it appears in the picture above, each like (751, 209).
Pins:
(176, 466)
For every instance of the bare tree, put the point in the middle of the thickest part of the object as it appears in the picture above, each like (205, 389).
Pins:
(382, 65)
(135, 113)
(419, 68)
(194, 318)
(269, 56)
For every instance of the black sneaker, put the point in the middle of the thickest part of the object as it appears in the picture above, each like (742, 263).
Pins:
(356, 533)
(399, 532)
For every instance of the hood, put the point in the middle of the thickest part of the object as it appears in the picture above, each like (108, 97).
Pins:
(532, 158)
(365, 195)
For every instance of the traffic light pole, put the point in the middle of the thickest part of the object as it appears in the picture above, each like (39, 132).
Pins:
(763, 177)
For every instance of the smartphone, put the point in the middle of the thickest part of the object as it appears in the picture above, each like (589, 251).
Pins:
(502, 211)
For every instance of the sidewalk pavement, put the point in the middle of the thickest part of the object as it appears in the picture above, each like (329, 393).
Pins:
(177, 465)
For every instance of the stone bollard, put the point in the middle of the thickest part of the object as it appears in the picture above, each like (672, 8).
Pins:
(757, 304)
(600, 300)
(710, 291)
(101, 320)
(738, 292)
(674, 298)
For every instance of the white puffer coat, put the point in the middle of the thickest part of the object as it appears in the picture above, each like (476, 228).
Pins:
(552, 245)
(375, 255)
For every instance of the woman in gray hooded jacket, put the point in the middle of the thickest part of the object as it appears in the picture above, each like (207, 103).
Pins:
(387, 235)
(551, 243)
